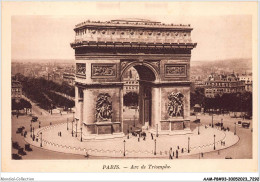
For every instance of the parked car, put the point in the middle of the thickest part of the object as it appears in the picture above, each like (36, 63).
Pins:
(245, 125)
(19, 130)
(21, 152)
(34, 118)
(16, 145)
(27, 147)
(16, 157)
(196, 121)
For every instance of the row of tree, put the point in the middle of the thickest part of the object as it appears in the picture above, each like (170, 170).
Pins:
(39, 91)
(131, 99)
(228, 102)
(48, 84)
(20, 104)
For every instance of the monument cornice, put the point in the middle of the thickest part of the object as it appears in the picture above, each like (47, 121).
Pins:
(132, 56)
(133, 45)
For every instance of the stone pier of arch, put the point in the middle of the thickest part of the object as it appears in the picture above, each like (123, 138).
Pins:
(163, 67)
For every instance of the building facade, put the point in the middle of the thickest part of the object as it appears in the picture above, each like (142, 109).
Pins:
(16, 90)
(220, 84)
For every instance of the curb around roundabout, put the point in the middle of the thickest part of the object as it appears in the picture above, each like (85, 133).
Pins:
(131, 148)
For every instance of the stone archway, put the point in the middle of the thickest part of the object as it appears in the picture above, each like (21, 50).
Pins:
(160, 53)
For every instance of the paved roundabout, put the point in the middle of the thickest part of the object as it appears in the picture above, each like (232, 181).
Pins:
(132, 148)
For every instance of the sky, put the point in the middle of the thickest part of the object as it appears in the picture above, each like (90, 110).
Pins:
(49, 37)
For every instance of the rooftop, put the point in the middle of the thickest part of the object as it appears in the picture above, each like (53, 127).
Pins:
(131, 22)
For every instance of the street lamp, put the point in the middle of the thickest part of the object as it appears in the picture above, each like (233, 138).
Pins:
(128, 132)
(31, 130)
(41, 139)
(214, 142)
(33, 133)
(235, 129)
(81, 134)
(154, 146)
(198, 128)
(212, 121)
(124, 147)
(157, 130)
(76, 126)
(188, 144)
(67, 124)
(72, 127)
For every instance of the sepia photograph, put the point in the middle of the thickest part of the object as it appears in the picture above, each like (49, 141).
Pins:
(136, 86)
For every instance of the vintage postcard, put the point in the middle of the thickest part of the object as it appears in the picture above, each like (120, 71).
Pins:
(129, 87)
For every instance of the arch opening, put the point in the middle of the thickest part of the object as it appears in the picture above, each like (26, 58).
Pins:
(137, 97)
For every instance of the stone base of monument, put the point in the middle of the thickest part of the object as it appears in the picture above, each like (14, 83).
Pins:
(173, 127)
(102, 130)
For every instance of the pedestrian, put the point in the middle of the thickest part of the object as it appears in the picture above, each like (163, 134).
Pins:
(201, 154)
(178, 147)
(170, 153)
(177, 154)
(138, 139)
(144, 138)
(224, 143)
(60, 133)
(152, 136)
(182, 150)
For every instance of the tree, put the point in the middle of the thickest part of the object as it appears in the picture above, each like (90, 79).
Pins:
(131, 99)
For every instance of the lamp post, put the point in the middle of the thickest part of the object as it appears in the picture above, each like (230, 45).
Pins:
(157, 130)
(124, 147)
(198, 128)
(81, 134)
(33, 133)
(31, 130)
(188, 144)
(212, 121)
(154, 146)
(214, 142)
(67, 124)
(41, 139)
(72, 127)
(76, 126)
(128, 131)
(235, 132)
(221, 122)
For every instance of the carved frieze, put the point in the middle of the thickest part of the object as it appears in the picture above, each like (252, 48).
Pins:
(103, 70)
(81, 70)
(104, 107)
(179, 70)
(175, 105)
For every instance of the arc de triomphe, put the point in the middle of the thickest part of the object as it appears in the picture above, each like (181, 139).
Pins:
(159, 52)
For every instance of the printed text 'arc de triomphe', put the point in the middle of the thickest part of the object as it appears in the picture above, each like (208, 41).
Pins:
(159, 52)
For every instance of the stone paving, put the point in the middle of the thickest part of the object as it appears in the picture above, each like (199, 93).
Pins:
(133, 149)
